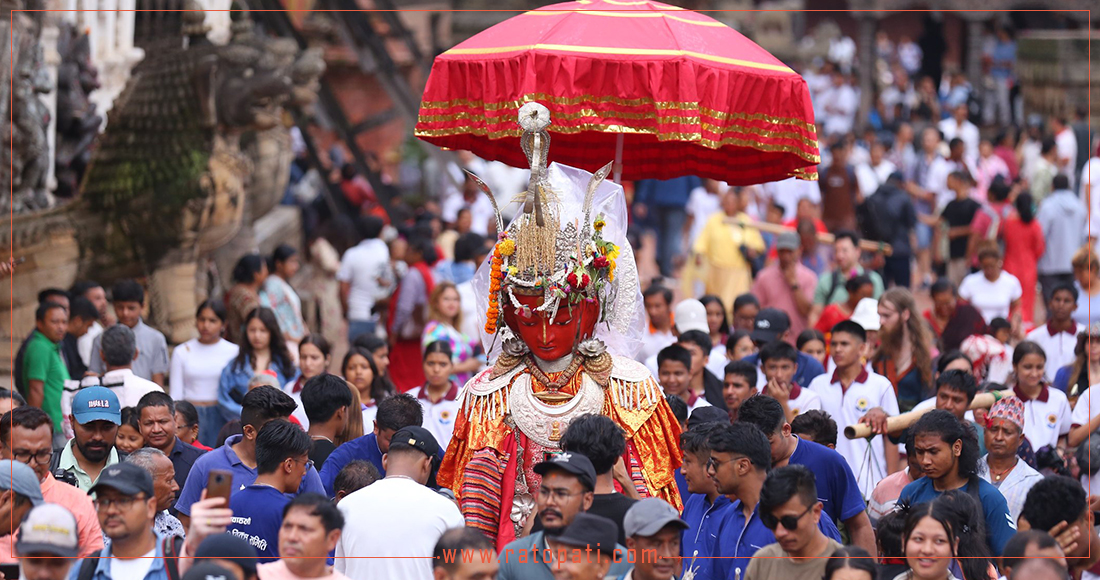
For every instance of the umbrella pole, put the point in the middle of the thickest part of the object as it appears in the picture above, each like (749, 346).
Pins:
(619, 159)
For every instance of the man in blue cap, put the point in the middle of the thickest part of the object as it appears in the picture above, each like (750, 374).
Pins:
(95, 418)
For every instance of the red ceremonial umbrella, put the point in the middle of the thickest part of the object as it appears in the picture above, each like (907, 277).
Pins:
(666, 91)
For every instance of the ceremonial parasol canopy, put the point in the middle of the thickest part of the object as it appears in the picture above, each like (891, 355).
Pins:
(666, 91)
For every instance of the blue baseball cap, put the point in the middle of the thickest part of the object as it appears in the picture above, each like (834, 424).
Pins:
(96, 404)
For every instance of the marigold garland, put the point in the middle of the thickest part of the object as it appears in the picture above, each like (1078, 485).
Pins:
(492, 315)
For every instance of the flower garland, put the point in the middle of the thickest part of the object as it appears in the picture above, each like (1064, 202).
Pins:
(589, 271)
(504, 247)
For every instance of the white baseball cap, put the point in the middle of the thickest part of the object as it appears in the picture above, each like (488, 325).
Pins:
(690, 314)
(866, 314)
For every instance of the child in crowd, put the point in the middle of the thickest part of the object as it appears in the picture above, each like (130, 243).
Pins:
(129, 437)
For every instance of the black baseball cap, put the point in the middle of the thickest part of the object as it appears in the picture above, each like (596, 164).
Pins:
(418, 438)
(590, 531)
(769, 324)
(707, 414)
(125, 478)
(231, 548)
(574, 463)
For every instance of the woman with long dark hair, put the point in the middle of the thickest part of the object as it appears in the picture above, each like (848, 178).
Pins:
(249, 276)
(931, 543)
(197, 366)
(851, 563)
(1024, 245)
(263, 349)
(947, 452)
(361, 373)
(314, 358)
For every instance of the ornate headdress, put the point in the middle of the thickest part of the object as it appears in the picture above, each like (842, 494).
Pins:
(567, 245)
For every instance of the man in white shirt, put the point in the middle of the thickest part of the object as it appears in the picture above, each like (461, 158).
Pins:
(481, 209)
(847, 395)
(1066, 143)
(365, 277)
(1058, 336)
(1090, 175)
(118, 350)
(406, 518)
(840, 104)
(98, 297)
(873, 174)
(957, 125)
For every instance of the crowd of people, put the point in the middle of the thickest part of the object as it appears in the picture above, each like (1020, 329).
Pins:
(931, 293)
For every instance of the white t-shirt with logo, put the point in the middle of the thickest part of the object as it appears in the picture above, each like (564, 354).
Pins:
(439, 418)
(1058, 348)
(869, 390)
(1045, 421)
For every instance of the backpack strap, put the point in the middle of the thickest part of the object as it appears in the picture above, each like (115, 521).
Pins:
(88, 565)
(171, 547)
(835, 283)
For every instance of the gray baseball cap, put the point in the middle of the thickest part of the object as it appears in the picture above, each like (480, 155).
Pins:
(48, 528)
(648, 516)
(787, 241)
(21, 479)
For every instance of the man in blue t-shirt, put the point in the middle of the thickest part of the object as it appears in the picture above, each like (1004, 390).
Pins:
(394, 414)
(282, 458)
(704, 508)
(836, 484)
(947, 452)
(740, 460)
(238, 456)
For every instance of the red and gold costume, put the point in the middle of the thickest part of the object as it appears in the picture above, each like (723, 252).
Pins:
(554, 276)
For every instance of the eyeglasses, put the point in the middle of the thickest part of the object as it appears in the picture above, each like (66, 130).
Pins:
(122, 503)
(308, 462)
(41, 457)
(789, 522)
(714, 464)
(558, 494)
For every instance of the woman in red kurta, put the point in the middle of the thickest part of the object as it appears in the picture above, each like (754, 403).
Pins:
(1024, 245)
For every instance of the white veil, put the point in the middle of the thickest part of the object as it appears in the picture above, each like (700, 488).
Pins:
(623, 326)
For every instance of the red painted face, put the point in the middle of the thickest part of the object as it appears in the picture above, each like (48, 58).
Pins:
(551, 339)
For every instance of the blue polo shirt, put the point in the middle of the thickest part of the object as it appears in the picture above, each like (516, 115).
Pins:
(224, 458)
(681, 485)
(364, 448)
(703, 519)
(999, 525)
(808, 368)
(257, 517)
(836, 484)
(739, 539)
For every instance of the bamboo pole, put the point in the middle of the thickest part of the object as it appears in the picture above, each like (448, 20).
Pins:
(822, 238)
(899, 423)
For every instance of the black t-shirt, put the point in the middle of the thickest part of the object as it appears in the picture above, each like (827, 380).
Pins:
(320, 452)
(960, 212)
(612, 506)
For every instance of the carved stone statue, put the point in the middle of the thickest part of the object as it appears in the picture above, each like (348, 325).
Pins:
(169, 176)
(77, 120)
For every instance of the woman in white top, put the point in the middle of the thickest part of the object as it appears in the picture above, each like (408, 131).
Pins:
(361, 373)
(314, 358)
(197, 367)
(994, 292)
(1047, 416)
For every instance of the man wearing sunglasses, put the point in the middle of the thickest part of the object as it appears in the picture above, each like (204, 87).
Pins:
(282, 459)
(790, 508)
(740, 459)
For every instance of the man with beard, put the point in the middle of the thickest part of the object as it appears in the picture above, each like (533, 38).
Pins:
(95, 418)
(904, 355)
(567, 489)
(165, 488)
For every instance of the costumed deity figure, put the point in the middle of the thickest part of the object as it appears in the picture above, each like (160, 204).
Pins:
(562, 316)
